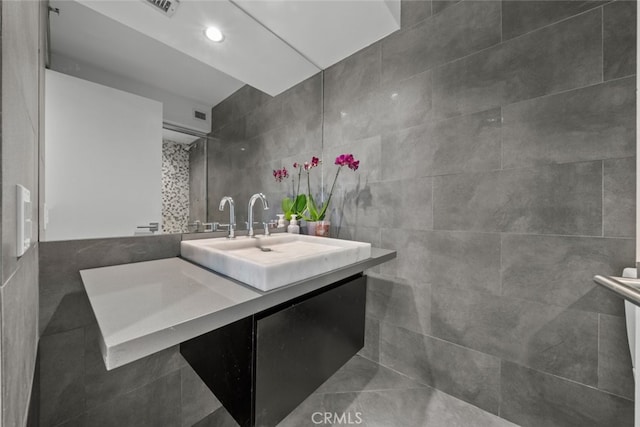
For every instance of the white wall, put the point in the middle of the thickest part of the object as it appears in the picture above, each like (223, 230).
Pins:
(103, 160)
(177, 109)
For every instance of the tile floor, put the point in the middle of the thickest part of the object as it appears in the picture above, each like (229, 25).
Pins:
(377, 397)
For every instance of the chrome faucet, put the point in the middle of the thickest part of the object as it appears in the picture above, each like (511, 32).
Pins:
(265, 206)
(232, 214)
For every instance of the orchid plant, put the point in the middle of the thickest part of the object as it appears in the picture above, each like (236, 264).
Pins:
(298, 204)
(315, 213)
(304, 206)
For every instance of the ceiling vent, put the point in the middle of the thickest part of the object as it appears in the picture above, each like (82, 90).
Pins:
(166, 7)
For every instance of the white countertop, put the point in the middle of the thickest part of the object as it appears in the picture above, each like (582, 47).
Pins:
(142, 308)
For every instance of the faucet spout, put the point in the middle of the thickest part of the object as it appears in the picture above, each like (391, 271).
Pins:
(252, 201)
(232, 214)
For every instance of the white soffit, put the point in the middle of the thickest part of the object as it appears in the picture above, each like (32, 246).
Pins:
(250, 52)
(326, 31)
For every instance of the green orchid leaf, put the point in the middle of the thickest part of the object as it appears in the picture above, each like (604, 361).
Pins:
(300, 204)
(287, 204)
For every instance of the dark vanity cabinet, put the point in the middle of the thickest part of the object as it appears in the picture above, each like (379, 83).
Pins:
(263, 366)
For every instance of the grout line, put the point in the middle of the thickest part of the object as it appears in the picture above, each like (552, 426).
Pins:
(602, 213)
(601, 43)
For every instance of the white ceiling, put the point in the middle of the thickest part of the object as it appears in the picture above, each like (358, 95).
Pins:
(269, 44)
(79, 32)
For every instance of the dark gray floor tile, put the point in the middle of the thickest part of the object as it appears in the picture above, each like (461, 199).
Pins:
(522, 16)
(469, 375)
(399, 304)
(619, 210)
(615, 373)
(312, 411)
(360, 375)
(459, 31)
(197, 400)
(422, 407)
(102, 385)
(591, 123)
(532, 398)
(414, 11)
(562, 270)
(62, 379)
(619, 39)
(219, 418)
(462, 144)
(156, 404)
(559, 199)
(560, 57)
(550, 338)
(352, 77)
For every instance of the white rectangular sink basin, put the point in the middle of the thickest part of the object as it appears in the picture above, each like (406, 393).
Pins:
(269, 262)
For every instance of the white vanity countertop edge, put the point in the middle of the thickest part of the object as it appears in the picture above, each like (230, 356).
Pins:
(123, 345)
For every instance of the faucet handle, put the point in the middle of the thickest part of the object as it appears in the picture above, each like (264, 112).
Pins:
(266, 228)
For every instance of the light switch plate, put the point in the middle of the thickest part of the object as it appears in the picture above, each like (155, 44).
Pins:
(23, 219)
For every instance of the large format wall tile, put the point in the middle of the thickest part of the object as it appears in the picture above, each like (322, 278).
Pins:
(102, 385)
(62, 379)
(197, 400)
(619, 39)
(414, 11)
(454, 259)
(563, 56)
(156, 404)
(548, 338)
(592, 123)
(469, 375)
(522, 16)
(619, 210)
(461, 144)
(532, 398)
(352, 77)
(394, 106)
(60, 263)
(460, 30)
(399, 304)
(240, 103)
(562, 270)
(19, 338)
(615, 372)
(561, 199)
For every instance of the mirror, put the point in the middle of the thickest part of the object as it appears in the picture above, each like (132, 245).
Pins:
(240, 143)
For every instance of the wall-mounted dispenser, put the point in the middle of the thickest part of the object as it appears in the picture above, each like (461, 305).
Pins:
(23, 219)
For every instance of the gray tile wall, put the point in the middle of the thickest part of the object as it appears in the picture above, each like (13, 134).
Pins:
(21, 122)
(497, 153)
(75, 387)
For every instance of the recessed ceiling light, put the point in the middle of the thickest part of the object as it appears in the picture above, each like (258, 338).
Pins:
(214, 34)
